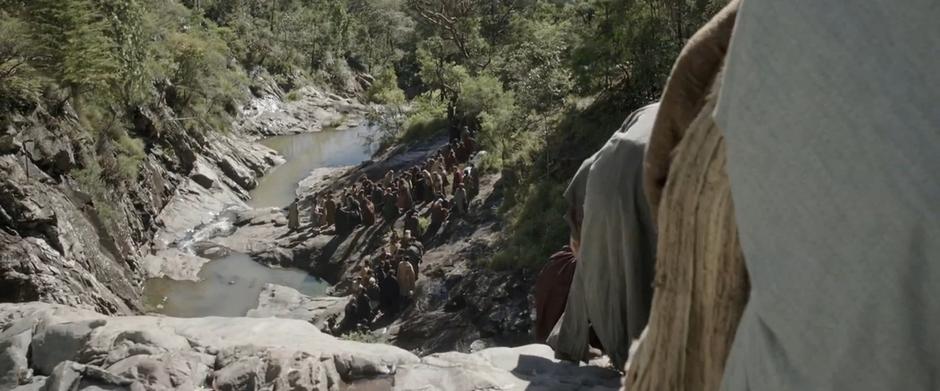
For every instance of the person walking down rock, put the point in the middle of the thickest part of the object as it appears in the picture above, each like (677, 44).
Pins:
(406, 280)
(437, 184)
(450, 160)
(330, 206)
(293, 217)
(378, 197)
(404, 201)
(429, 184)
(390, 291)
(364, 307)
(471, 181)
(366, 210)
(317, 214)
(458, 179)
(438, 212)
(460, 201)
(412, 224)
(421, 187)
(412, 251)
(389, 205)
(342, 221)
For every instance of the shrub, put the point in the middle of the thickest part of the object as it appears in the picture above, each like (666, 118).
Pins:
(364, 337)
(293, 96)
(427, 118)
(385, 89)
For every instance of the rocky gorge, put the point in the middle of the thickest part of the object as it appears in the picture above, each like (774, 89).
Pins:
(197, 214)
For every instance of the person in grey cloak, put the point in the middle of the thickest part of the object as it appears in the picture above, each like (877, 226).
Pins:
(612, 287)
(831, 121)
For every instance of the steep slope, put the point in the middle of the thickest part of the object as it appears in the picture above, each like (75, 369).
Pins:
(69, 241)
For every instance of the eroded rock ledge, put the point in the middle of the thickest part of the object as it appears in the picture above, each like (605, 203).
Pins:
(54, 347)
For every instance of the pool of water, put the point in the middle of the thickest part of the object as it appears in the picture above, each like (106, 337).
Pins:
(230, 286)
(304, 152)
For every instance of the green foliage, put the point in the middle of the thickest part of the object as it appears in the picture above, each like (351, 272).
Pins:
(18, 79)
(130, 152)
(75, 49)
(437, 73)
(534, 205)
(293, 96)
(204, 83)
(537, 227)
(534, 62)
(637, 41)
(90, 179)
(483, 94)
(428, 117)
(364, 337)
(385, 89)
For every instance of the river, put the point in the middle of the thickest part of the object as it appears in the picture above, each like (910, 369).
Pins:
(230, 285)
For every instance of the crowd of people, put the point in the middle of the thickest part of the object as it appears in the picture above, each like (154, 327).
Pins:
(439, 189)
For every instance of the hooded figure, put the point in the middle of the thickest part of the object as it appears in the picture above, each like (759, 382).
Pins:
(612, 287)
(330, 207)
(406, 278)
(831, 127)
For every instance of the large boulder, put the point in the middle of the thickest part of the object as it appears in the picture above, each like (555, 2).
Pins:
(76, 347)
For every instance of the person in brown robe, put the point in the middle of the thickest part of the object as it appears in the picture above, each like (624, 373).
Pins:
(551, 291)
(458, 179)
(429, 183)
(437, 184)
(450, 160)
(438, 212)
(406, 279)
(366, 209)
(405, 201)
(330, 206)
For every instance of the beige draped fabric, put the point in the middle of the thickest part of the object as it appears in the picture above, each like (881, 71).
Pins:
(701, 284)
(684, 96)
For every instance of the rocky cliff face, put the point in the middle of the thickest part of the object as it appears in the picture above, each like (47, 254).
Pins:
(60, 244)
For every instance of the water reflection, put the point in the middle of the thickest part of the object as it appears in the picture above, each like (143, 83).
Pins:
(230, 286)
(227, 287)
(305, 152)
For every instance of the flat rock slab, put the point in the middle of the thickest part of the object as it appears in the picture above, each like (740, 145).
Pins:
(79, 350)
(285, 302)
(529, 367)
(174, 264)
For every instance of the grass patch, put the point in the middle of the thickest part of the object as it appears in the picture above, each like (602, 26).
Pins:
(293, 96)
(427, 118)
(537, 228)
(364, 337)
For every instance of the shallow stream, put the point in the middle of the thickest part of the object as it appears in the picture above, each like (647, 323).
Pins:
(230, 286)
